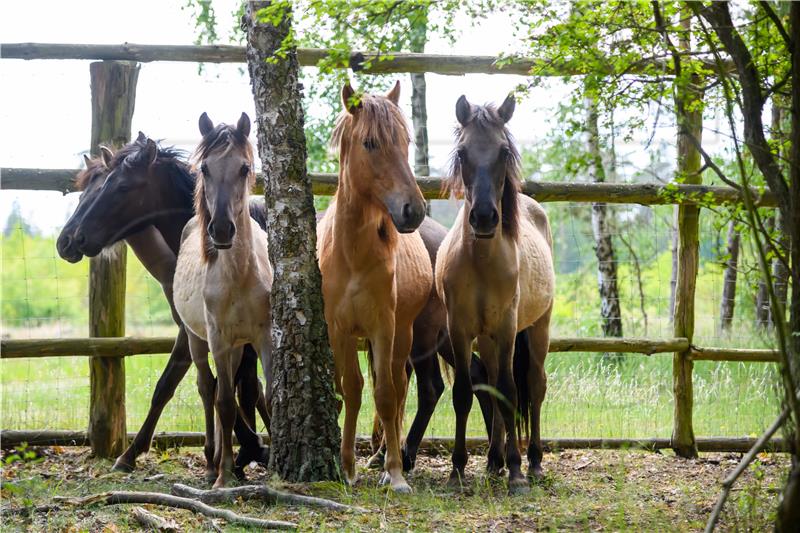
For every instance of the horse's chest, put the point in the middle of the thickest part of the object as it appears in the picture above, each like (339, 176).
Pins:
(236, 315)
(482, 299)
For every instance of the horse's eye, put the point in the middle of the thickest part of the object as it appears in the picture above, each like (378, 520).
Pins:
(505, 151)
(370, 145)
(245, 170)
(204, 168)
(462, 154)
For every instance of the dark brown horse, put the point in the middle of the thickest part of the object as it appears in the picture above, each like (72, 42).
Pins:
(144, 195)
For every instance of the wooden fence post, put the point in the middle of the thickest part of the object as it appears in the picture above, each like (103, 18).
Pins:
(113, 85)
(689, 98)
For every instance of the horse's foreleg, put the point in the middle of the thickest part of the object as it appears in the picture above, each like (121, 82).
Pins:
(495, 458)
(504, 339)
(430, 387)
(226, 360)
(350, 383)
(206, 386)
(248, 387)
(539, 343)
(179, 362)
(403, 339)
(462, 399)
(387, 398)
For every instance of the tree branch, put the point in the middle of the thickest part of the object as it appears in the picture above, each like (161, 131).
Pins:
(778, 24)
(167, 500)
(260, 492)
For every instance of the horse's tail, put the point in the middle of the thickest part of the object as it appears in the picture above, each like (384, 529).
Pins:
(522, 363)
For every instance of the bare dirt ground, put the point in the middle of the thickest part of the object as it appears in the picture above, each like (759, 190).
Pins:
(582, 490)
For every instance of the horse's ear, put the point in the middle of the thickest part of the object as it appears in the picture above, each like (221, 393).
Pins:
(149, 153)
(87, 160)
(141, 138)
(394, 94)
(206, 126)
(347, 98)
(106, 155)
(506, 110)
(463, 110)
(243, 126)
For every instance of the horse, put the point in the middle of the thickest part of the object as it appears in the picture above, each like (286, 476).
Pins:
(494, 272)
(223, 278)
(376, 275)
(144, 194)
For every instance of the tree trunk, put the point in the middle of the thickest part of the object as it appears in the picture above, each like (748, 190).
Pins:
(673, 278)
(604, 248)
(419, 109)
(304, 430)
(780, 274)
(789, 510)
(113, 85)
(728, 301)
(763, 319)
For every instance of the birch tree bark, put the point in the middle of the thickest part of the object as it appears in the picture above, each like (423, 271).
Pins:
(304, 430)
(604, 248)
(728, 300)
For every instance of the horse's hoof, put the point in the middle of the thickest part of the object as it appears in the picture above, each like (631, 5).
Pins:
(376, 461)
(402, 487)
(455, 481)
(210, 476)
(350, 479)
(519, 486)
(123, 465)
(536, 473)
(239, 473)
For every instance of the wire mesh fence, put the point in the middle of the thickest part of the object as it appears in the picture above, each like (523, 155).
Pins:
(589, 395)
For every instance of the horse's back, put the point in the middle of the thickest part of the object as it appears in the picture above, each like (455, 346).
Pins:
(536, 272)
(188, 282)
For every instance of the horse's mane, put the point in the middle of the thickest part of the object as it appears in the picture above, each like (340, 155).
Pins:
(376, 119)
(223, 137)
(486, 118)
(169, 158)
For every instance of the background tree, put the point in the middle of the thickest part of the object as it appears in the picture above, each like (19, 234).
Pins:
(304, 430)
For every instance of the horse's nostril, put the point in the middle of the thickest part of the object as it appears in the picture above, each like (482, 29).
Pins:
(472, 218)
(406, 211)
(495, 217)
(80, 238)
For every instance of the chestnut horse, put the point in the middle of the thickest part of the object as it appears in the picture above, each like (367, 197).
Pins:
(223, 278)
(143, 193)
(494, 272)
(376, 274)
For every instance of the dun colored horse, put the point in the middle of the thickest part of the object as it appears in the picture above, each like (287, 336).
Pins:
(494, 272)
(376, 274)
(144, 194)
(223, 278)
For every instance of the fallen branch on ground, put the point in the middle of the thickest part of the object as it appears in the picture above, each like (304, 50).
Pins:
(168, 500)
(259, 492)
(727, 484)
(152, 521)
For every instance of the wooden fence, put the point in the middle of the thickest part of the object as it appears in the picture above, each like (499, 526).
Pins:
(113, 98)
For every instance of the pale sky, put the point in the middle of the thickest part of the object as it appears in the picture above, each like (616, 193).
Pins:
(45, 105)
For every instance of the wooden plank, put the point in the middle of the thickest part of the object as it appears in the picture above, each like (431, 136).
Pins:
(362, 61)
(111, 347)
(93, 347)
(429, 445)
(113, 89)
(734, 354)
(324, 184)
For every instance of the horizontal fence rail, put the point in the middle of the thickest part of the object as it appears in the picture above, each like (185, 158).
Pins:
(368, 62)
(430, 445)
(62, 180)
(127, 346)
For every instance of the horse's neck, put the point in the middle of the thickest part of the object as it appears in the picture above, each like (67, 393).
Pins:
(177, 204)
(362, 230)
